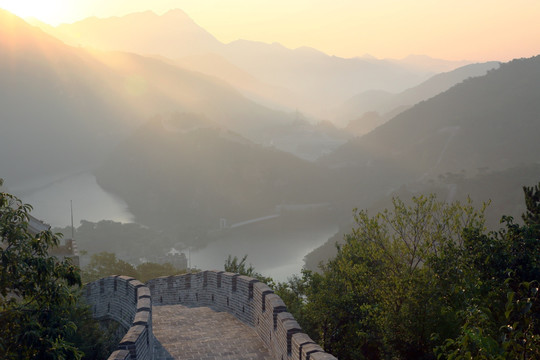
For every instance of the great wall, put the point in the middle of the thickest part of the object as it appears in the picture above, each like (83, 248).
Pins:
(131, 304)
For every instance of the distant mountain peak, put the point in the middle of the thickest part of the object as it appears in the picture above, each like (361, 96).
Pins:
(173, 34)
(8, 16)
(427, 62)
(20, 34)
(309, 50)
(176, 12)
(367, 57)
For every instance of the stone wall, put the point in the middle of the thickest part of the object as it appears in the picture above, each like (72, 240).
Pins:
(126, 301)
(129, 302)
(249, 300)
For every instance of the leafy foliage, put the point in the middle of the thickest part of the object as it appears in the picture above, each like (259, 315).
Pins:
(106, 264)
(378, 298)
(96, 340)
(239, 266)
(41, 316)
(423, 281)
(35, 290)
(111, 236)
(532, 201)
(500, 309)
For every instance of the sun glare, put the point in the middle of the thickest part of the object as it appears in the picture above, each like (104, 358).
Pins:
(48, 12)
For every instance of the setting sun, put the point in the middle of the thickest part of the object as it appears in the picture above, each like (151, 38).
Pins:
(50, 12)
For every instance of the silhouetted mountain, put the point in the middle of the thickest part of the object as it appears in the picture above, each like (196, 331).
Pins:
(175, 175)
(173, 34)
(427, 63)
(153, 87)
(384, 102)
(56, 114)
(319, 80)
(63, 108)
(490, 121)
(365, 123)
(249, 85)
(314, 82)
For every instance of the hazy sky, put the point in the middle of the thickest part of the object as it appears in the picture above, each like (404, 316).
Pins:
(457, 29)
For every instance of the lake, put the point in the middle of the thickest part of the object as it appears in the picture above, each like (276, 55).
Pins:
(278, 253)
(274, 250)
(51, 200)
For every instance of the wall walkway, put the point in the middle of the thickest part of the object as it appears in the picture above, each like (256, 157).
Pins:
(253, 303)
(202, 333)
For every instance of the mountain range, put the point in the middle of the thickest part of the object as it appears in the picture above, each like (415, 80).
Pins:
(313, 81)
(56, 113)
(489, 121)
(72, 105)
(191, 174)
(191, 138)
(478, 126)
(387, 104)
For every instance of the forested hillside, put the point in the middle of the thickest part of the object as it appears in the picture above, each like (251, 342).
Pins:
(177, 173)
(488, 121)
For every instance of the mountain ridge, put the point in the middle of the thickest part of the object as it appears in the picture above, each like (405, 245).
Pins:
(60, 97)
(316, 81)
(385, 103)
(445, 132)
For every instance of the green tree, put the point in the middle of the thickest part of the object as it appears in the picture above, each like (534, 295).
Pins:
(378, 297)
(149, 270)
(424, 280)
(35, 290)
(96, 340)
(498, 281)
(532, 202)
(292, 292)
(239, 266)
(106, 264)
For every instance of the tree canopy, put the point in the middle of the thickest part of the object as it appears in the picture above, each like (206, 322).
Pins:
(41, 315)
(425, 280)
(106, 264)
(35, 289)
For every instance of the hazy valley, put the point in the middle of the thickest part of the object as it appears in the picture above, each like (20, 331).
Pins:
(188, 137)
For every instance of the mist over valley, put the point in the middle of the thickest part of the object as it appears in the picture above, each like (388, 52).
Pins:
(169, 140)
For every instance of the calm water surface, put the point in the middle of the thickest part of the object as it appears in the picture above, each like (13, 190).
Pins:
(51, 201)
(278, 254)
(273, 251)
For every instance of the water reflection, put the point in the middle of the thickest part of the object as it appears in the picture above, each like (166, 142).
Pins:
(278, 254)
(51, 202)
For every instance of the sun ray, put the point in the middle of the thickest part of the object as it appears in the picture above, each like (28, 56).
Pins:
(50, 12)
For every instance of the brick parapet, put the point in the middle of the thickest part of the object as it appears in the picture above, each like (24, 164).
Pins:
(120, 355)
(252, 302)
(128, 302)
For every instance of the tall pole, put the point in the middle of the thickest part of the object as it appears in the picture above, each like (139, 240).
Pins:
(72, 229)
